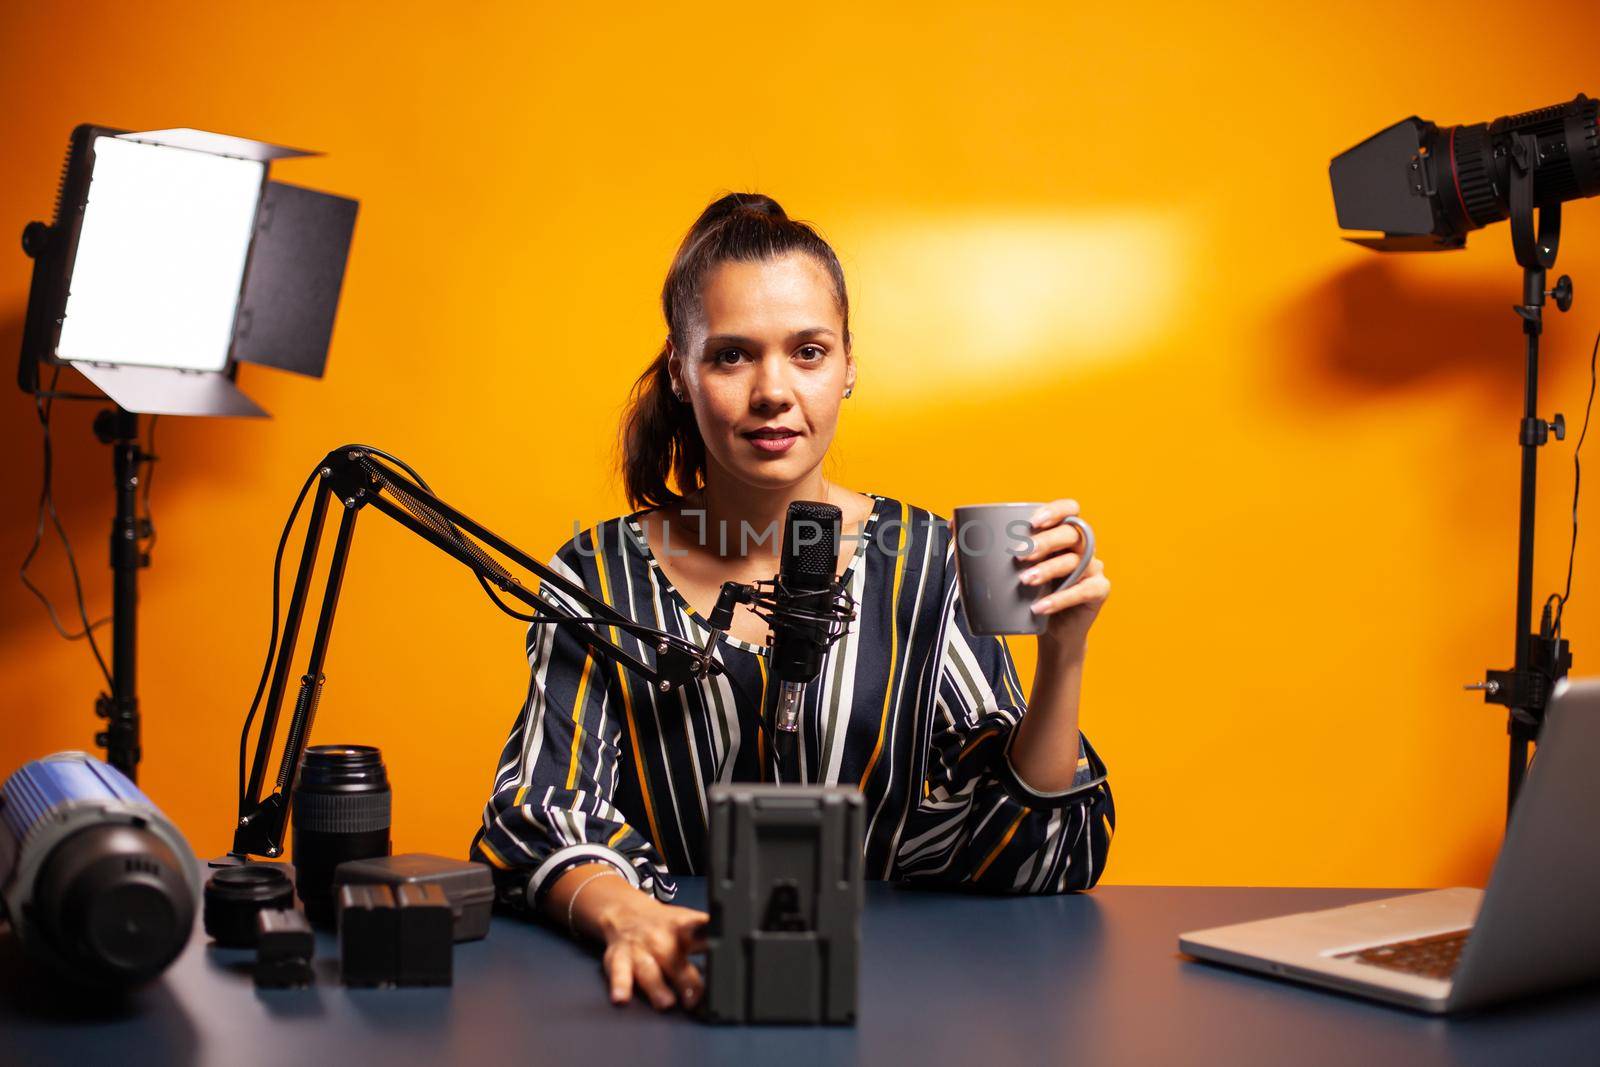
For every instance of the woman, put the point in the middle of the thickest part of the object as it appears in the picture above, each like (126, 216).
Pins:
(601, 787)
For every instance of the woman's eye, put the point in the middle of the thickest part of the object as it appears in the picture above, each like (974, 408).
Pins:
(811, 353)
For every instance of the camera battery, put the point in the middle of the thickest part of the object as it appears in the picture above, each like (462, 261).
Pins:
(469, 887)
(426, 944)
(284, 946)
(368, 935)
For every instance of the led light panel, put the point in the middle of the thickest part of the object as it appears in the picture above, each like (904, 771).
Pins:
(160, 257)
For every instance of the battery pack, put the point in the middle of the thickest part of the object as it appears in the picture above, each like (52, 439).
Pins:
(369, 942)
(426, 946)
(784, 894)
(469, 887)
(284, 945)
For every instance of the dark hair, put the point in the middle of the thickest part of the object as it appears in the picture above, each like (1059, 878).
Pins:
(659, 437)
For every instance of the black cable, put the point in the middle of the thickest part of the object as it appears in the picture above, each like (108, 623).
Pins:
(1577, 474)
(43, 405)
(272, 640)
(45, 499)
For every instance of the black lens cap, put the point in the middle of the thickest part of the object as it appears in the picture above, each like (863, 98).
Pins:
(235, 895)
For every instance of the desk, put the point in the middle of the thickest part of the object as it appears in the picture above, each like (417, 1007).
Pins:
(1092, 978)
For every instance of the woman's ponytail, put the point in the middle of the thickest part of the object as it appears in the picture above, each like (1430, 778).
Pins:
(659, 439)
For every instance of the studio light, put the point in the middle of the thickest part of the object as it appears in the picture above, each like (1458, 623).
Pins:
(1425, 187)
(172, 259)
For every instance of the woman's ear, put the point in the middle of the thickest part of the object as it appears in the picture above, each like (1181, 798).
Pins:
(674, 368)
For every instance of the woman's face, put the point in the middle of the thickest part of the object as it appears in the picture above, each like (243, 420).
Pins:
(768, 352)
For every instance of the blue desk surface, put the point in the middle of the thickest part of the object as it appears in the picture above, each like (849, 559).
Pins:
(1094, 978)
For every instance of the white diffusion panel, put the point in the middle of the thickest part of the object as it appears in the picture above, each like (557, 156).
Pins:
(160, 257)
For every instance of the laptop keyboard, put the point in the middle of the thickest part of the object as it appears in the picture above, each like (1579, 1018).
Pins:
(1430, 957)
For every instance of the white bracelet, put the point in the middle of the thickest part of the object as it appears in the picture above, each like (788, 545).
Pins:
(573, 899)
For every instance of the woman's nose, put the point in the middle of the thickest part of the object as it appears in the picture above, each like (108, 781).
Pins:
(772, 387)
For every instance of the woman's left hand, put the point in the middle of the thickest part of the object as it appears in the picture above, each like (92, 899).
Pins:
(1054, 556)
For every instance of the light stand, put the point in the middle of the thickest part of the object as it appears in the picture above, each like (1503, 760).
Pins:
(1541, 658)
(120, 707)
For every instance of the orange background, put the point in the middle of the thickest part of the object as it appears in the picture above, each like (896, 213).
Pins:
(1092, 253)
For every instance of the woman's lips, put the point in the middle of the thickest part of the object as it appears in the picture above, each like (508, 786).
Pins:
(773, 445)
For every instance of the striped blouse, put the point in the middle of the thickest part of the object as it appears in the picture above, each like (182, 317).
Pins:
(910, 707)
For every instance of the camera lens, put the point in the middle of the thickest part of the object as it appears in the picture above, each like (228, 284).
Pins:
(341, 812)
(236, 895)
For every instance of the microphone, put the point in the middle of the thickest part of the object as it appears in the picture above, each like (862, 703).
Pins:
(801, 627)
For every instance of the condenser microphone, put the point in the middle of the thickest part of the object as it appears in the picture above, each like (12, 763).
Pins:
(806, 587)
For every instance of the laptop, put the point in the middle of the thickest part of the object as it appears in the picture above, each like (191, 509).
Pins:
(1536, 927)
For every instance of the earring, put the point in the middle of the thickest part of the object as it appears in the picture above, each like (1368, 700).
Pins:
(848, 391)
(677, 393)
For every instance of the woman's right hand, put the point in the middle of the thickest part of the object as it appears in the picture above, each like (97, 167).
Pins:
(648, 945)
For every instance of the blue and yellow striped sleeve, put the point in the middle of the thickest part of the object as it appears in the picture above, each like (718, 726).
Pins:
(552, 803)
(978, 823)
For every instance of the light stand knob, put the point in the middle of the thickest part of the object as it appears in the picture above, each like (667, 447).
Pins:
(1562, 293)
(35, 235)
(1558, 426)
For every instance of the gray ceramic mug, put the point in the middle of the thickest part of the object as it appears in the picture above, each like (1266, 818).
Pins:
(989, 538)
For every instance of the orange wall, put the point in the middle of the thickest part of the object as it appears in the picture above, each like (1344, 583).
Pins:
(1092, 252)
